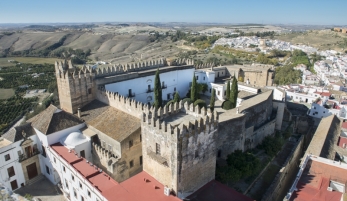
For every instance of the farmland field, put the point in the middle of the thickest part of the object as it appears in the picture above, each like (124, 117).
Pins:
(6, 93)
(32, 60)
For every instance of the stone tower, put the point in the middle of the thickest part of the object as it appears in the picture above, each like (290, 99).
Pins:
(76, 87)
(181, 156)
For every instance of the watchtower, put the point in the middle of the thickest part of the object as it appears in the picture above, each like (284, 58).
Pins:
(76, 87)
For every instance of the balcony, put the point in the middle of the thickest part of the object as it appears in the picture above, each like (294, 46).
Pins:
(149, 90)
(163, 86)
(130, 95)
(25, 156)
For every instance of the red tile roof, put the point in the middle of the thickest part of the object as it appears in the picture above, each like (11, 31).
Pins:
(314, 181)
(342, 140)
(133, 189)
(344, 125)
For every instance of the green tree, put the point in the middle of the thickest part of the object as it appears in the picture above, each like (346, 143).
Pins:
(194, 90)
(228, 91)
(213, 99)
(158, 99)
(234, 92)
(177, 97)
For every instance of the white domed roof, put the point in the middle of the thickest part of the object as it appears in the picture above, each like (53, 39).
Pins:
(73, 139)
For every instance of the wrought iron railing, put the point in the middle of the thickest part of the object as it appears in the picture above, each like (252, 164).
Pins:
(149, 90)
(25, 156)
(163, 86)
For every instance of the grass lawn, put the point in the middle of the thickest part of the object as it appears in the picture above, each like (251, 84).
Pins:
(6, 93)
(32, 60)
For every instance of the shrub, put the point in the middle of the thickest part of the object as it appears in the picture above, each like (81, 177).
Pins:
(227, 105)
(170, 102)
(187, 100)
(201, 103)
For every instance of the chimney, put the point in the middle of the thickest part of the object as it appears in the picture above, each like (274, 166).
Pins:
(79, 112)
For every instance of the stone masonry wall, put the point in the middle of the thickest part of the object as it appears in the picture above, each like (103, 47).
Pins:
(284, 179)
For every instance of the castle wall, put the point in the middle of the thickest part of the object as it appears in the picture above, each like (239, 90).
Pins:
(231, 135)
(285, 177)
(197, 163)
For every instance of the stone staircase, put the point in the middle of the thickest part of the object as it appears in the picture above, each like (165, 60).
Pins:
(36, 179)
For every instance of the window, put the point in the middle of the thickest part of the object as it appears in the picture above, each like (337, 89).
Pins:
(225, 93)
(14, 185)
(89, 91)
(64, 169)
(196, 153)
(157, 148)
(66, 184)
(110, 147)
(140, 160)
(55, 160)
(10, 171)
(131, 164)
(204, 77)
(82, 198)
(168, 96)
(80, 185)
(140, 138)
(74, 193)
(47, 169)
(175, 89)
(82, 154)
(73, 178)
(218, 92)
(197, 77)
(89, 193)
(19, 153)
(210, 90)
(130, 143)
(43, 151)
(7, 157)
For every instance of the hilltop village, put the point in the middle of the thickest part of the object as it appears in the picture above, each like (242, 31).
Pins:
(107, 141)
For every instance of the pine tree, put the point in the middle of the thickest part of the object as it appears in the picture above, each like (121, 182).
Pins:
(213, 97)
(228, 91)
(194, 90)
(234, 92)
(158, 99)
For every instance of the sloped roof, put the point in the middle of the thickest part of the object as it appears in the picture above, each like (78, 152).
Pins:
(116, 124)
(53, 119)
(325, 138)
(16, 134)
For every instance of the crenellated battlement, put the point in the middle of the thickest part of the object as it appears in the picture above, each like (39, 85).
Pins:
(204, 65)
(102, 152)
(64, 71)
(130, 67)
(125, 104)
(204, 121)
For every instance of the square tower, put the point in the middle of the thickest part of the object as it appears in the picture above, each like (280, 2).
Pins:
(179, 147)
(76, 87)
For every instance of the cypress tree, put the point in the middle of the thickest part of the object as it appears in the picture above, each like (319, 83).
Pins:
(213, 97)
(234, 92)
(194, 90)
(158, 99)
(177, 97)
(228, 91)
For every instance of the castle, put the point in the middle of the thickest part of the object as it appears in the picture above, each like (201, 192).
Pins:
(114, 127)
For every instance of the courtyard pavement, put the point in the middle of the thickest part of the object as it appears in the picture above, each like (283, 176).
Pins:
(42, 189)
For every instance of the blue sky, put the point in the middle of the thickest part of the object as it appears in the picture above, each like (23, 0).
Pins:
(320, 12)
